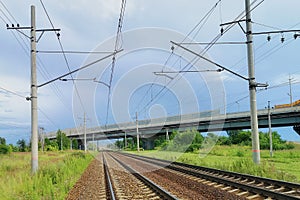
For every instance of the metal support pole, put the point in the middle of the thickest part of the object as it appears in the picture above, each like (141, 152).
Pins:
(42, 138)
(93, 142)
(34, 114)
(167, 134)
(61, 141)
(125, 140)
(71, 144)
(290, 94)
(137, 132)
(270, 129)
(252, 87)
(84, 124)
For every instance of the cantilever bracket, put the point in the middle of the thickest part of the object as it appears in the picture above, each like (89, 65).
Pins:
(236, 22)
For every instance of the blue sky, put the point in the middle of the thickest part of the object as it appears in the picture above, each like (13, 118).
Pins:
(92, 25)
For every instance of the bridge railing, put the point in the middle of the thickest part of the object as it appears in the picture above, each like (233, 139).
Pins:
(165, 121)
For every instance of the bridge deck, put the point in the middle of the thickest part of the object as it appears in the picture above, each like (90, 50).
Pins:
(204, 122)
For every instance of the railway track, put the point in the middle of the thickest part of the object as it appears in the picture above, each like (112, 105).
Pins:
(123, 182)
(176, 183)
(110, 193)
(243, 185)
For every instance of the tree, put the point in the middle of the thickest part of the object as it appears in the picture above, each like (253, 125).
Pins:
(22, 145)
(189, 141)
(4, 149)
(198, 138)
(232, 136)
(239, 137)
(119, 144)
(13, 148)
(74, 144)
(62, 140)
(2, 141)
(223, 140)
(278, 143)
(50, 145)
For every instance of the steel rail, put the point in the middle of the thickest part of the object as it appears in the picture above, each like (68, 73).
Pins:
(216, 175)
(110, 190)
(160, 191)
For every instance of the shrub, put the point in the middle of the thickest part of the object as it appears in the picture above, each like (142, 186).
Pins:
(4, 149)
(240, 153)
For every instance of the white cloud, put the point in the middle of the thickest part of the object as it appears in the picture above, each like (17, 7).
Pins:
(85, 24)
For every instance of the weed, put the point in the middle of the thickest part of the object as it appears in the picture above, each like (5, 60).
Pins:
(57, 174)
(284, 165)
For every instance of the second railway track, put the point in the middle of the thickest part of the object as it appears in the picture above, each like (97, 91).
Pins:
(177, 184)
(243, 185)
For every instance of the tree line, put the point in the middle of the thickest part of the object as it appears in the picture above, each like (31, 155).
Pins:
(62, 142)
(192, 140)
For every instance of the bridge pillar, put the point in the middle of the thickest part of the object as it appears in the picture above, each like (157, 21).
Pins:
(297, 128)
(167, 134)
(148, 143)
(80, 145)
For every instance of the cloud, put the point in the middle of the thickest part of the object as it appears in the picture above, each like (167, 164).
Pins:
(99, 9)
(85, 24)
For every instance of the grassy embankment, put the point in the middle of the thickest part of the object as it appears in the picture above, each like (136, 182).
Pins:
(58, 172)
(284, 165)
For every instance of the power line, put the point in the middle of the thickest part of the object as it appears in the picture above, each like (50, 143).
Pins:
(23, 97)
(74, 52)
(12, 92)
(202, 22)
(78, 69)
(8, 11)
(64, 55)
(42, 69)
(267, 26)
(48, 118)
(118, 45)
(191, 64)
(207, 43)
(268, 52)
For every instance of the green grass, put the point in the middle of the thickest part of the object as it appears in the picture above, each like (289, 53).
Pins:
(58, 172)
(284, 165)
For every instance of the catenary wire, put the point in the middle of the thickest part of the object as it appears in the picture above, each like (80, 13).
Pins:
(118, 45)
(202, 21)
(64, 56)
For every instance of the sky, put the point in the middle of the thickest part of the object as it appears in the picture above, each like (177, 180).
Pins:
(147, 29)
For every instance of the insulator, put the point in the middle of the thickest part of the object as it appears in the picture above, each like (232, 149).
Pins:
(172, 48)
(12, 25)
(269, 38)
(58, 34)
(295, 36)
(282, 39)
(222, 31)
(18, 25)
(7, 25)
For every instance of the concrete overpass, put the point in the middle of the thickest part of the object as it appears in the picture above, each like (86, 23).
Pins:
(203, 122)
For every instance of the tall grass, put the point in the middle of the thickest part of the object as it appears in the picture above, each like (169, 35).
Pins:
(57, 174)
(284, 165)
